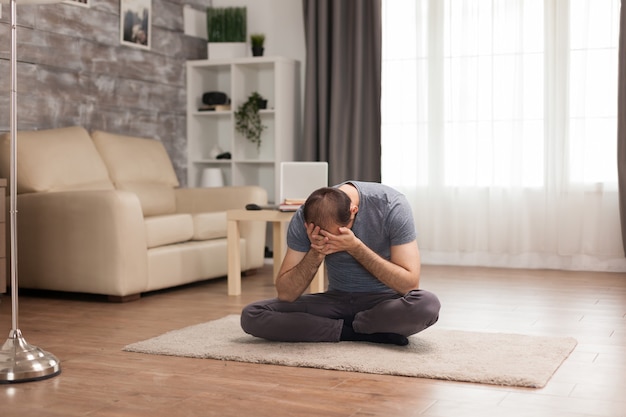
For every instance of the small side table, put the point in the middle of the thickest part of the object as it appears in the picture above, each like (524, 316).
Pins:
(3, 247)
(279, 221)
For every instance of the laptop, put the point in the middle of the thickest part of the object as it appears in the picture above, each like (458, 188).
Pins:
(298, 180)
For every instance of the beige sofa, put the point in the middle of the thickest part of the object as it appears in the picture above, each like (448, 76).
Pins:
(104, 214)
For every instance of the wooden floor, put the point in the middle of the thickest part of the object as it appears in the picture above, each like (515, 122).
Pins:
(99, 379)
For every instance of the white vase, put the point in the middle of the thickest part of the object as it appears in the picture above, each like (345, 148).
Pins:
(212, 177)
(226, 50)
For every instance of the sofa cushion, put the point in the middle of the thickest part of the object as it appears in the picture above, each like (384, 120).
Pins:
(209, 225)
(55, 160)
(156, 199)
(141, 166)
(168, 229)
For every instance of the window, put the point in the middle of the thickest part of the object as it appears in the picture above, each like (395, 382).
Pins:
(500, 93)
(499, 124)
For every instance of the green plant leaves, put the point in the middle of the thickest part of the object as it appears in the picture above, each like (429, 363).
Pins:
(248, 120)
(226, 24)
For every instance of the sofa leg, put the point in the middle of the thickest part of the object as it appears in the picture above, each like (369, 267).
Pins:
(249, 272)
(123, 298)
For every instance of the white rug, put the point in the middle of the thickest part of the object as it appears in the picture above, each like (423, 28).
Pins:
(489, 358)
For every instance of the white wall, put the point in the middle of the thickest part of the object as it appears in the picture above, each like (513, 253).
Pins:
(279, 20)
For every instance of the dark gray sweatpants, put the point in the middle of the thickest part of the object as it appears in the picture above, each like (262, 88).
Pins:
(320, 317)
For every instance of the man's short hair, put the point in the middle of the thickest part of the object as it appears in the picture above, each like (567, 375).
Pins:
(326, 207)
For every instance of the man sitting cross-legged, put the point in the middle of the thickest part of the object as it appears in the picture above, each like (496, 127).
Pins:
(366, 235)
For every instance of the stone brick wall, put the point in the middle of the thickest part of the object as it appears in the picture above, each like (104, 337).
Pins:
(72, 70)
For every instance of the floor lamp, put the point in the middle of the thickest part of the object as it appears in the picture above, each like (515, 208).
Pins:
(20, 361)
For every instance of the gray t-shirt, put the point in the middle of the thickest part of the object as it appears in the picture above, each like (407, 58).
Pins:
(384, 219)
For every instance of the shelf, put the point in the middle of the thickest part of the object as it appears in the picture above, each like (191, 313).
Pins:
(276, 79)
(212, 161)
(254, 161)
(209, 113)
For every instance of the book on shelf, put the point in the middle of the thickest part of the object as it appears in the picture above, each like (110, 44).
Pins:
(214, 107)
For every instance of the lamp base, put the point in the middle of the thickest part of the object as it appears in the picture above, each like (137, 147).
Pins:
(21, 362)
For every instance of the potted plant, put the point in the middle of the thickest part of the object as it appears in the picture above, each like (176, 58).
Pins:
(226, 30)
(257, 40)
(248, 120)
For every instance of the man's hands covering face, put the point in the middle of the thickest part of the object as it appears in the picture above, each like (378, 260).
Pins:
(326, 243)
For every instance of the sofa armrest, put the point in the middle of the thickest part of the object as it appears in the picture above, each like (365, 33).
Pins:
(199, 200)
(82, 241)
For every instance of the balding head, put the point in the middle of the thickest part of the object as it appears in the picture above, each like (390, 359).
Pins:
(327, 208)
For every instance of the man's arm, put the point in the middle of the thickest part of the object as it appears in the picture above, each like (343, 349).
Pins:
(298, 268)
(401, 273)
(296, 273)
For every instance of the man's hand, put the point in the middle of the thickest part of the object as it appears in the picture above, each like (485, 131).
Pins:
(318, 241)
(345, 241)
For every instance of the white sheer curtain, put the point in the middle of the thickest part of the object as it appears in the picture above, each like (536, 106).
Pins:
(499, 124)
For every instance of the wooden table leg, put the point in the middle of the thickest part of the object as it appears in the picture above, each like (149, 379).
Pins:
(234, 258)
(279, 247)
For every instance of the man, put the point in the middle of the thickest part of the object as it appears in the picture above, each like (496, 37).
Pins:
(365, 233)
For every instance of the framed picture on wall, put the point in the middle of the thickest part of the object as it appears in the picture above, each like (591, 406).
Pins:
(83, 3)
(135, 23)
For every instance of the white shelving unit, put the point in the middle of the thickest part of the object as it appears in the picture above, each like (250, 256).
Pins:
(274, 78)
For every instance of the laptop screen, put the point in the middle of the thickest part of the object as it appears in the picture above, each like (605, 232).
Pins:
(299, 179)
